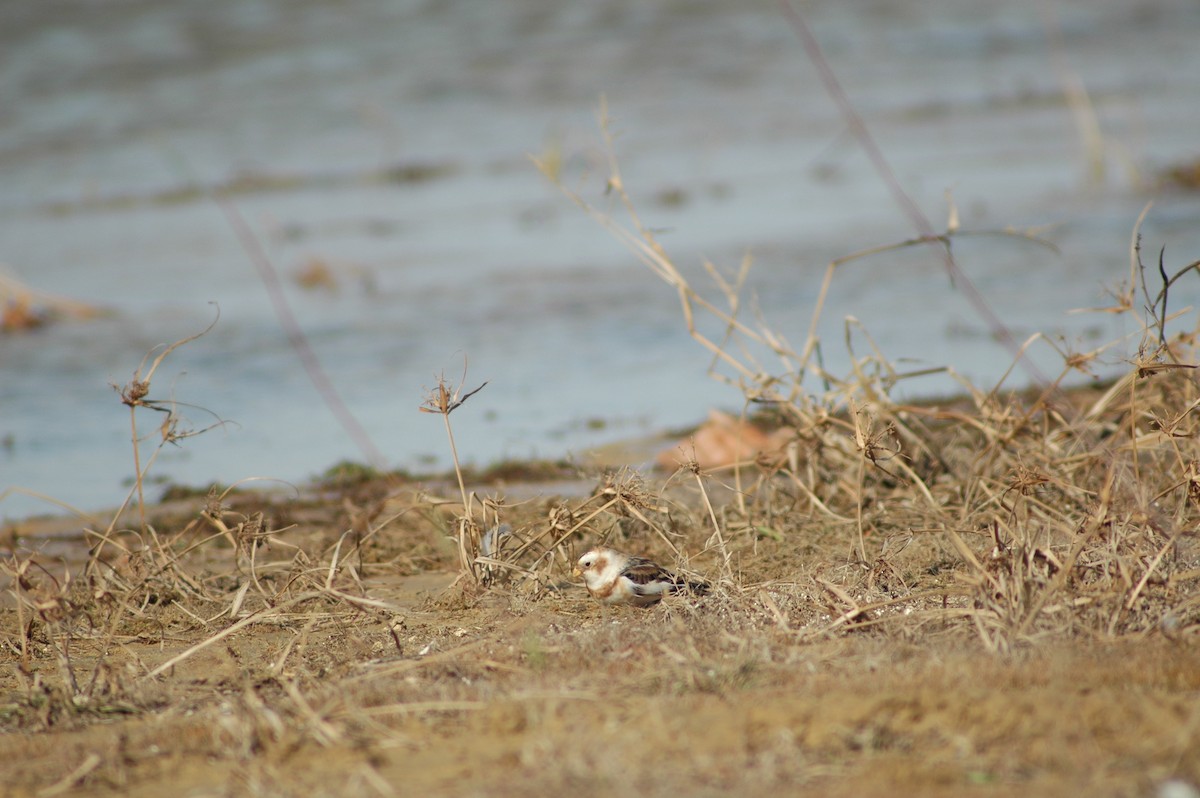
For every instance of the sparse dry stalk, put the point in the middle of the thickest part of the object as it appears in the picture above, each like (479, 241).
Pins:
(443, 401)
(566, 523)
(135, 395)
(462, 487)
(726, 562)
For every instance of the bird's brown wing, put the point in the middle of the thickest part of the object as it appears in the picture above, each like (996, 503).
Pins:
(641, 571)
(652, 580)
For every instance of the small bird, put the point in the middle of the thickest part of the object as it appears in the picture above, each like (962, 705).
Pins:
(616, 578)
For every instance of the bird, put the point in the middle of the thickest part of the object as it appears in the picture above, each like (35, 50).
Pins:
(617, 578)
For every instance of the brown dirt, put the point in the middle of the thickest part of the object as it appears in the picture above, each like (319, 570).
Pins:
(447, 689)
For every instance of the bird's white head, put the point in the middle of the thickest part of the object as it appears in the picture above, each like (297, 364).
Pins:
(592, 565)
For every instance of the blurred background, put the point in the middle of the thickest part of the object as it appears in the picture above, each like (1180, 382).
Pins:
(379, 150)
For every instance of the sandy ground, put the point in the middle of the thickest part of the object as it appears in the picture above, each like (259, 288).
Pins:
(385, 676)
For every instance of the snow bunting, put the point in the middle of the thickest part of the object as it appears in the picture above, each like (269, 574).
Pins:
(616, 578)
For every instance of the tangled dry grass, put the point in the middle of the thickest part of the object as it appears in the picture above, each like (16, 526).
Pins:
(998, 591)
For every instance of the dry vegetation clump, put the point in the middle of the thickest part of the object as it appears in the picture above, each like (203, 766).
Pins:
(996, 591)
(1021, 515)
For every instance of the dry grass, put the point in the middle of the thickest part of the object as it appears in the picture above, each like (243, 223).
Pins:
(997, 592)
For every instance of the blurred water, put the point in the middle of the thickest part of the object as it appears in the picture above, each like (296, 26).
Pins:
(389, 140)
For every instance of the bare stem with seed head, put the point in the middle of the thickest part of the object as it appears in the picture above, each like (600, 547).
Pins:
(444, 401)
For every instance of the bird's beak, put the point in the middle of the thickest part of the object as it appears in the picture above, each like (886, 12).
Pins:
(575, 572)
